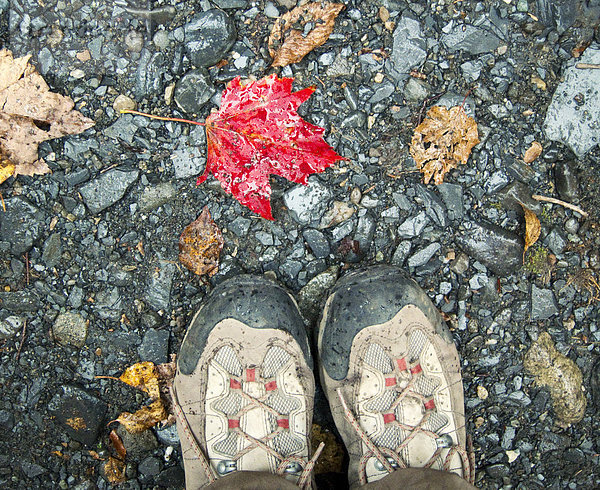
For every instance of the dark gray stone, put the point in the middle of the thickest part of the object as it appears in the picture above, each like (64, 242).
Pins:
(208, 37)
(497, 470)
(70, 328)
(557, 13)
(566, 180)
(52, 250)
(171, 477)
(472, 39)
(77, 176)
(107, 189)
(543, 303)
(19, 301)
(421, 257)
(149, 76)
(193, 90)
(137, 445)
(452, 196)
(10, 326)
(158, 290)
(364, 232)
(433, 205)
(168, 435)
(108, 304)
(401, 253)
(240, 226)
(413, 226)
(154, 346)
(498, 249)
(317, 242)
(231, 4)
(574, 111)
(80, 413)
(355, 119)
(31, 470)
(20, 225)
(149, 466)
(516, 195)
(409, 49)
(189, 157)
(307, 203)
(556, 242)
(155, 196)
(7, 422)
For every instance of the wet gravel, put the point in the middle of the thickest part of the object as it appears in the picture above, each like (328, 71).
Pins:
(89, 253)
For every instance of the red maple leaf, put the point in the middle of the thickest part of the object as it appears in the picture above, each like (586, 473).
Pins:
(257, 132)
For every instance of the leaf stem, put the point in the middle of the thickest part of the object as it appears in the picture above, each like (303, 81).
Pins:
(161, 118)
(567, 205)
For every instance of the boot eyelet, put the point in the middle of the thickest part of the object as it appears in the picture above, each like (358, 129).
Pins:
(226, 466)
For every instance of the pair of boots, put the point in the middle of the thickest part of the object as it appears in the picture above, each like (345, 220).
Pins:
(244, 388)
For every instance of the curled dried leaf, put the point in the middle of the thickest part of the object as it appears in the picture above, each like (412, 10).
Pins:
(534, 151)
(31, 114)
(117, 444)
(533, 228)
(442, 141)
(200, 245)
(288, 42)
(144, 418)
(143, 376)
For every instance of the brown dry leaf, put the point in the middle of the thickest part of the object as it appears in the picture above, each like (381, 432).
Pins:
(442, 141)
(143, 376)
(534, 151)
(30, 114)
(144, 418)
(114, 470)
(117, 444)
(533, 228)
(200, 245)
(287, 42)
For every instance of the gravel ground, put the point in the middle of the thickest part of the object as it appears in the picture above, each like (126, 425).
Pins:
(89, 253)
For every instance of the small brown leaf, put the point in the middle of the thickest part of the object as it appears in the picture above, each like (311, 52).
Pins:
(31, 114)
(200, 245)
(144, 418)
(534, 151)
(287, 42)
(533, 228)
(118, 444)
(142, 376)
(442, 141)
(114, 470)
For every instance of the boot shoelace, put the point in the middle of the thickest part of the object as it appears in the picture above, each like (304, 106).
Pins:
(307, 465)
(383, 454)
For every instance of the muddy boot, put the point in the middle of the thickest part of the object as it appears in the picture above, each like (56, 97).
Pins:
(244, 386)
(391, 373)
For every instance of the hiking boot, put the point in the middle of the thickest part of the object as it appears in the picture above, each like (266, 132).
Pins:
(244, 388)
(391, 373)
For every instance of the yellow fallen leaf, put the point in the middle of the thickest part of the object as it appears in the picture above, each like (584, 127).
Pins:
(114, 470)
(144, 418)
(7, 168)
(288, 43)
(442, 141)
(533, 228)
(142, 376)
(534, 151)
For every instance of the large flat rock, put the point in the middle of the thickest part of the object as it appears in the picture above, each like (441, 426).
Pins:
(573, 117)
